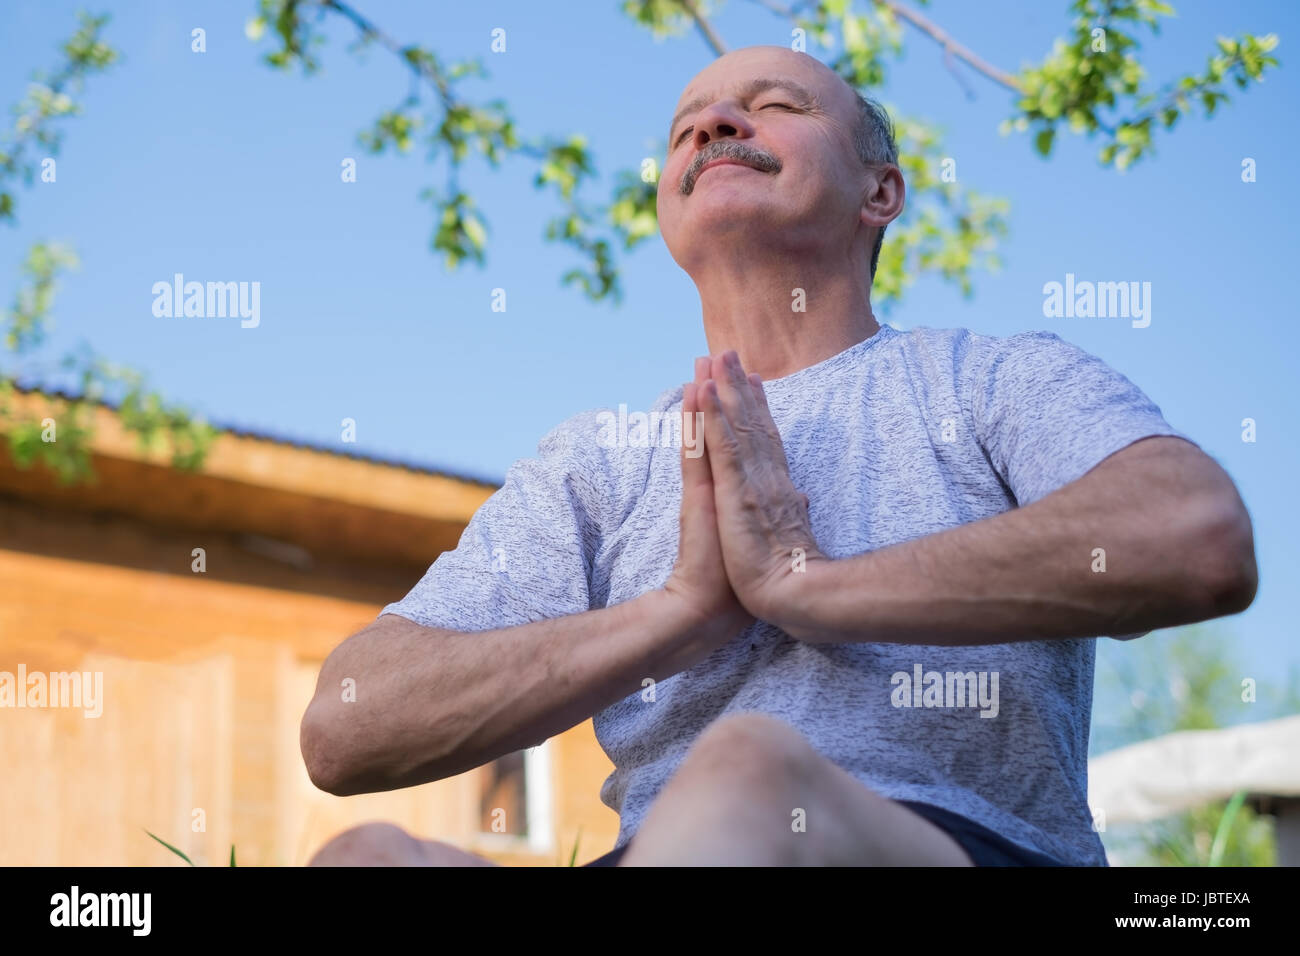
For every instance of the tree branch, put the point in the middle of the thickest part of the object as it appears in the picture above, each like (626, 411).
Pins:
(788, 13)
(372, 32)
(951, 46)
(710, 37)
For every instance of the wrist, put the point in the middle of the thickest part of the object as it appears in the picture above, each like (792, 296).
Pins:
(676, 617)
(801, 604)
(664, 609)
(682, 634)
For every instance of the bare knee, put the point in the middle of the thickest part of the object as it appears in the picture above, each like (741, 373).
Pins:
(730, 801)
(369, 844)
(750, 748)
(386, 844)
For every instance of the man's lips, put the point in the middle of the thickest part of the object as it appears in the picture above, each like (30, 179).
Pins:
(721, 162)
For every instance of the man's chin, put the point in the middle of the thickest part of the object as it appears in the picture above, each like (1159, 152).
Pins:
(730, 209)
(723, 172)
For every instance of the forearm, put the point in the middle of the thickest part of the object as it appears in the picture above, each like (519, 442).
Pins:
(1075, 564)
(975, 585)
(432, 703)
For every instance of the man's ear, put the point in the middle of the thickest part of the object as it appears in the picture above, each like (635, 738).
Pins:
(883, 200)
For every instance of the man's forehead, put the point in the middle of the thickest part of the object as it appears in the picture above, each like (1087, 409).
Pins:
(754, 68)
(750, 64)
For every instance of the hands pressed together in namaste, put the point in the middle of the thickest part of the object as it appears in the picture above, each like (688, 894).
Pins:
(746, 540)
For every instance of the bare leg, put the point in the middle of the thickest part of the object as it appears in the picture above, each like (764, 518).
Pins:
(734, 800)
(385, 844)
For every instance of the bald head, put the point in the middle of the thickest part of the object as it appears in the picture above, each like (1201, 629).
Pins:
(775, 114)
(821, 84)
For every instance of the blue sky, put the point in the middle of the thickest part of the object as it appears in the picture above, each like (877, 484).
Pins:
(219, 167)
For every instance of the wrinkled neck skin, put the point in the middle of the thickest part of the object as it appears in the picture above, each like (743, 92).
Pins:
(747, 294)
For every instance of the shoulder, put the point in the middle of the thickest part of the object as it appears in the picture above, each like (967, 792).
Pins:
(956, 345)
(965, 344)
(573, 442)
(960, 354)
(1042, 364)
(585, 453)
(589, 439)
(1032, 347)
(1033, 358)
(988, 370)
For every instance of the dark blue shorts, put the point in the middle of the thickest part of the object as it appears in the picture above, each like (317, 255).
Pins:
(985, 847)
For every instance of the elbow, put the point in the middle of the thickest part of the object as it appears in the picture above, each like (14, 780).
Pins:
(340, 762)
(1229, 576)
(313, 741)
(1235, 591)
(324, 753)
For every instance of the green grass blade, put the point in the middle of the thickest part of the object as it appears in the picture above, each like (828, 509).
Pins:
(172, 848)
(1225, 824)
(573, 857)
(232, 854)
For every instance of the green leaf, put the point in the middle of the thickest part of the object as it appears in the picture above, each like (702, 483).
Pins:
(172, 848)
(1225, 826)
(1043, 141)
(474, 230)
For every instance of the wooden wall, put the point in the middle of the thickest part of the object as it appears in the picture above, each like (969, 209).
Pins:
(206, 677)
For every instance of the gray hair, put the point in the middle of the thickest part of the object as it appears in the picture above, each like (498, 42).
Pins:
(873, 139)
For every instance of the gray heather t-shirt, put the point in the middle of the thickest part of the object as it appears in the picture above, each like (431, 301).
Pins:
(902, 435)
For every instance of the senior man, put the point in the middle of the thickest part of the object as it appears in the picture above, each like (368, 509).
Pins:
(868, 608)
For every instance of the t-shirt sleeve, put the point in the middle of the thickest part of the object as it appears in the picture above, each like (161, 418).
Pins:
(526, 554)
(1046, 412)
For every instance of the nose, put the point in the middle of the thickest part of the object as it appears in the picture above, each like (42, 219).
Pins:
(718, 121)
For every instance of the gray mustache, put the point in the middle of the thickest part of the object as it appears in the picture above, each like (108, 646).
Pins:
(764, 162)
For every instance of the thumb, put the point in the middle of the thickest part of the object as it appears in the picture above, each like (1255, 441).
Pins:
(697, 476)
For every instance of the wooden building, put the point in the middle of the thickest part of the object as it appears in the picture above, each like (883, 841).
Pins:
(206, 673)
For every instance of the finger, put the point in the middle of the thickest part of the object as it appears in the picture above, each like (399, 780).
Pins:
(695, 464)
(764, 411)
(736, 403)
(698, 514)
(703, 369)
(691, 486)
(733, 368)
(734, 389)
(693, 429)
(719, 438)
(760, 396)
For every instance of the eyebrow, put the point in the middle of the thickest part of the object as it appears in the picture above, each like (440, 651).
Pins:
(751, 88)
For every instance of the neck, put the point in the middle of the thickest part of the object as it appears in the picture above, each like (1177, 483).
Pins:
(749, 304)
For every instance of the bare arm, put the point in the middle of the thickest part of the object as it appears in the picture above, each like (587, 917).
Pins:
(1178, 548)
(431, 703)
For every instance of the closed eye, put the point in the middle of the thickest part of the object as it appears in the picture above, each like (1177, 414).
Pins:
(687, 132)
